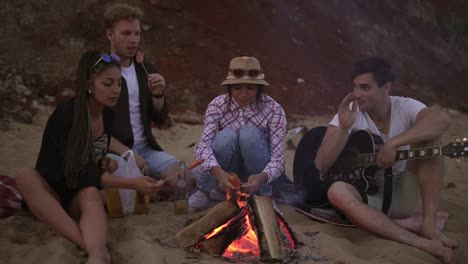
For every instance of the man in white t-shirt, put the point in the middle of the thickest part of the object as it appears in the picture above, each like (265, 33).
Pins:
(400, 122)
(142, 99)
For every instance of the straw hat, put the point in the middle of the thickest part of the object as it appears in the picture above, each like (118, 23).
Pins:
(245, 70)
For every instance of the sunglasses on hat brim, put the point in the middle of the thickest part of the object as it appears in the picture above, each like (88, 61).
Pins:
(239, 73)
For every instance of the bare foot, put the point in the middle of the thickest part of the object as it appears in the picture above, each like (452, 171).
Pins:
(438, 235)
(99, 260)
(438, 250)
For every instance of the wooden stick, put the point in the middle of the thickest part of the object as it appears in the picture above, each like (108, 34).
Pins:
(215, 217)
(144, 68)
(216, 245)
(268, 230)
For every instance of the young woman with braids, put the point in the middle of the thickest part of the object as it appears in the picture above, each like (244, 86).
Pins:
(63, 190)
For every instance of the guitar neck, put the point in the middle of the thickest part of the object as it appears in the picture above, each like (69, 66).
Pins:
(411, 154)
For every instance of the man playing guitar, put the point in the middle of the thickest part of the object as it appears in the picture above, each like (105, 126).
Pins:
(400, 122)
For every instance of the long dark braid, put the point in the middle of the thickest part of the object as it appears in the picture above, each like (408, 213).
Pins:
(80, 143)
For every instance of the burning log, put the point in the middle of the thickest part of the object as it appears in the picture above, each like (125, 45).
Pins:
(240, 228)
(232, 230)
(217, 216)
(268, 230)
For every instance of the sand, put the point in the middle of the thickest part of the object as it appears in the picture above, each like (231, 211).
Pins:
(150, 238)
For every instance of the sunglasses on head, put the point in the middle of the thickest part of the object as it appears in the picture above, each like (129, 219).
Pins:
(107, 58)
(239, 73)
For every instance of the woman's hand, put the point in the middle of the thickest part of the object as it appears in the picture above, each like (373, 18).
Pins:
(223, 179)
(148, 185)
(254, 182)
(108, 164)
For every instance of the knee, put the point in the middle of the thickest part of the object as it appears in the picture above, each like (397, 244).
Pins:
(250, 134)
(226, 138)
(90, 196)
(252, 138)
(337, 194)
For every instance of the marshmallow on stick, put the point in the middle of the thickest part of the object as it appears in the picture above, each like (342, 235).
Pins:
(139, 59)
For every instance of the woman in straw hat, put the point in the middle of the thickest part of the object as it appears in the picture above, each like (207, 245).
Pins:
(244, 134)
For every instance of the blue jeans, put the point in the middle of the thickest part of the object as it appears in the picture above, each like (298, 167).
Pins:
(157, 160)
(245, 153)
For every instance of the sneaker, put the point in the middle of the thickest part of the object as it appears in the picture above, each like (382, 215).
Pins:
(200, 201)
(217, 195)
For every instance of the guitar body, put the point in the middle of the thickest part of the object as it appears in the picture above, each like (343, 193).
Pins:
(307, 178)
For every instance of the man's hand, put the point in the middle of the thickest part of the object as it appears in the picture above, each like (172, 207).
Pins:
(148, 185)
(386, 156)
(156, 83)
(346, 116)
(109, 165)
(254, 182)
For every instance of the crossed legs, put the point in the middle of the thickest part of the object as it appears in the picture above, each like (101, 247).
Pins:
(90, 233)
(347, 199)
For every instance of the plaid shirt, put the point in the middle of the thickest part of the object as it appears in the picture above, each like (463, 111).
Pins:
(268, 116)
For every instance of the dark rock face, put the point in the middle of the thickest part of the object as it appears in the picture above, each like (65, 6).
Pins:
(307, 48)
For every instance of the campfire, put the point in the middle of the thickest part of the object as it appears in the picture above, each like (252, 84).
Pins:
(241, 227)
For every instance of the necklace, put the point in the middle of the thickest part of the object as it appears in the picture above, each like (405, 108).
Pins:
(383, 127)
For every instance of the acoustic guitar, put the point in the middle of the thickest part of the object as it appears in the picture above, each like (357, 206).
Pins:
(356, 164)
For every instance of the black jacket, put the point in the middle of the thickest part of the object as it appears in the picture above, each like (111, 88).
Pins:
(122, 128)
(51, 160)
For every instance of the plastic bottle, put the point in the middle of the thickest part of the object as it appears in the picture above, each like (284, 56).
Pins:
(181, 192)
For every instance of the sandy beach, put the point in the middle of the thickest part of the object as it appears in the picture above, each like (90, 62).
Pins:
(150, 238)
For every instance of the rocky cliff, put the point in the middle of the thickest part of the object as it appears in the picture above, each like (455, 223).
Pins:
(306, 48)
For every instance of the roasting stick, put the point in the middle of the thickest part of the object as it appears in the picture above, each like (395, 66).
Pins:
(139, 59)
(191, 167)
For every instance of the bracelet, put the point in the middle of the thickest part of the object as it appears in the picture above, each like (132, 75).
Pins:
(158, 96)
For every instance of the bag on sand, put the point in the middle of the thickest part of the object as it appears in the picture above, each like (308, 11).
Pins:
(10, 198)
(121, 202)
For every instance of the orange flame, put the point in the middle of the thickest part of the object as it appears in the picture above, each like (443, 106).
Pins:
(217, 230)
(247, 244)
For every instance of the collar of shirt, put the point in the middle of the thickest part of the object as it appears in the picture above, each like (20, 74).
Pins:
(249, 108)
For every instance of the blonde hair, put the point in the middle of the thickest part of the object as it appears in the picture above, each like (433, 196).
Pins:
(121, 11)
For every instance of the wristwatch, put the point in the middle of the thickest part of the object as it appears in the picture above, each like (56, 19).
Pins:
(158, 96)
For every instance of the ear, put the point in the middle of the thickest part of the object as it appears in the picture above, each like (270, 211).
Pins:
(89, 86)
(388, 87)
(109, 34)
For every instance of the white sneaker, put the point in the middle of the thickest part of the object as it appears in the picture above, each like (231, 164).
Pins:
(217, 195)
(200, 201)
